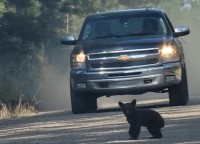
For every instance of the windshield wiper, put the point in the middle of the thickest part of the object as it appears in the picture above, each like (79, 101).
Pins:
(118, 36)
(107, 36)
(140, 34)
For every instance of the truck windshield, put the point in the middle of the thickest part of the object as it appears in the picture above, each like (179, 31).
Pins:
(124, 26)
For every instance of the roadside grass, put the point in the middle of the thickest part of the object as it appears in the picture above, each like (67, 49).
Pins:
(19, 110)
(4, 112)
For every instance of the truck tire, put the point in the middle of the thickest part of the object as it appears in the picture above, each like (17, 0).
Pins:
(91, 102)
(82, 102)
(178, 95)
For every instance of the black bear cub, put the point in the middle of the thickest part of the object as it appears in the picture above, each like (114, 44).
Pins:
(142, 117)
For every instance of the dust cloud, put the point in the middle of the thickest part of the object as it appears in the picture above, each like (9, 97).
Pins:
(55, 93)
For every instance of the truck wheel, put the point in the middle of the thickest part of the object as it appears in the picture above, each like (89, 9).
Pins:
(178, 95)
(91, 103)
(82, 102)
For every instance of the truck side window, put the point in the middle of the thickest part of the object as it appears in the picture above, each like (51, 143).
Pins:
(163, 27)
(87, 32)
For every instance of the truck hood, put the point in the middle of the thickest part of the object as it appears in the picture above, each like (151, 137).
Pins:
(99, 45)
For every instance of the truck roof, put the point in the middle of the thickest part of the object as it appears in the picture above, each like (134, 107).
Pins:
(126, 11)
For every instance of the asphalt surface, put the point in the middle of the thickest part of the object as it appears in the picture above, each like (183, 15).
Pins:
(182, 125)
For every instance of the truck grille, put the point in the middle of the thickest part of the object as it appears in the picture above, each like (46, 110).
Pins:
(135, 58)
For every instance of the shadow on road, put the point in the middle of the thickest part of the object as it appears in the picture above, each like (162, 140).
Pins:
(141, 106)
(193, 101)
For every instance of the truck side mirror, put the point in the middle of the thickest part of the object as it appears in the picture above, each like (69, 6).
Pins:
(181, 31)
(68, 40)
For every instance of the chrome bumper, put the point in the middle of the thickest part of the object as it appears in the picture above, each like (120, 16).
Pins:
(136, 79)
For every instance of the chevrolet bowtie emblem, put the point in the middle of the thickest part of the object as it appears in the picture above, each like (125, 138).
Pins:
(123, 58)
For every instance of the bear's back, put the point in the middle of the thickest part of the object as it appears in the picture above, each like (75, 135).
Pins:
(148, 117)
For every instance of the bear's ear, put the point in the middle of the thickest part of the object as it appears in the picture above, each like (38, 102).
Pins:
(121, 104)
(133, 102)
(122, 107)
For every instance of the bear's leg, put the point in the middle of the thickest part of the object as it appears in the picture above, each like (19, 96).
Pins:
(134, 131)
(156, 132)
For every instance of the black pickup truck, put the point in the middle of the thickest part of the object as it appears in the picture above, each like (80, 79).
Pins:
(130, 51)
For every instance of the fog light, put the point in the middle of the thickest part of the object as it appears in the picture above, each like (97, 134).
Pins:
(170, 78)
(81, 85)
(148, 81)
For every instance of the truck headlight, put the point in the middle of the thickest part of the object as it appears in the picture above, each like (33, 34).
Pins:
(78, 60)
(169, 53)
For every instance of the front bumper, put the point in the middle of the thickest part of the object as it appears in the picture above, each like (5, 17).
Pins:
(137, 79)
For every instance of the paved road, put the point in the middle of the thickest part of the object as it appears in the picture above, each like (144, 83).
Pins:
(105, 126)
